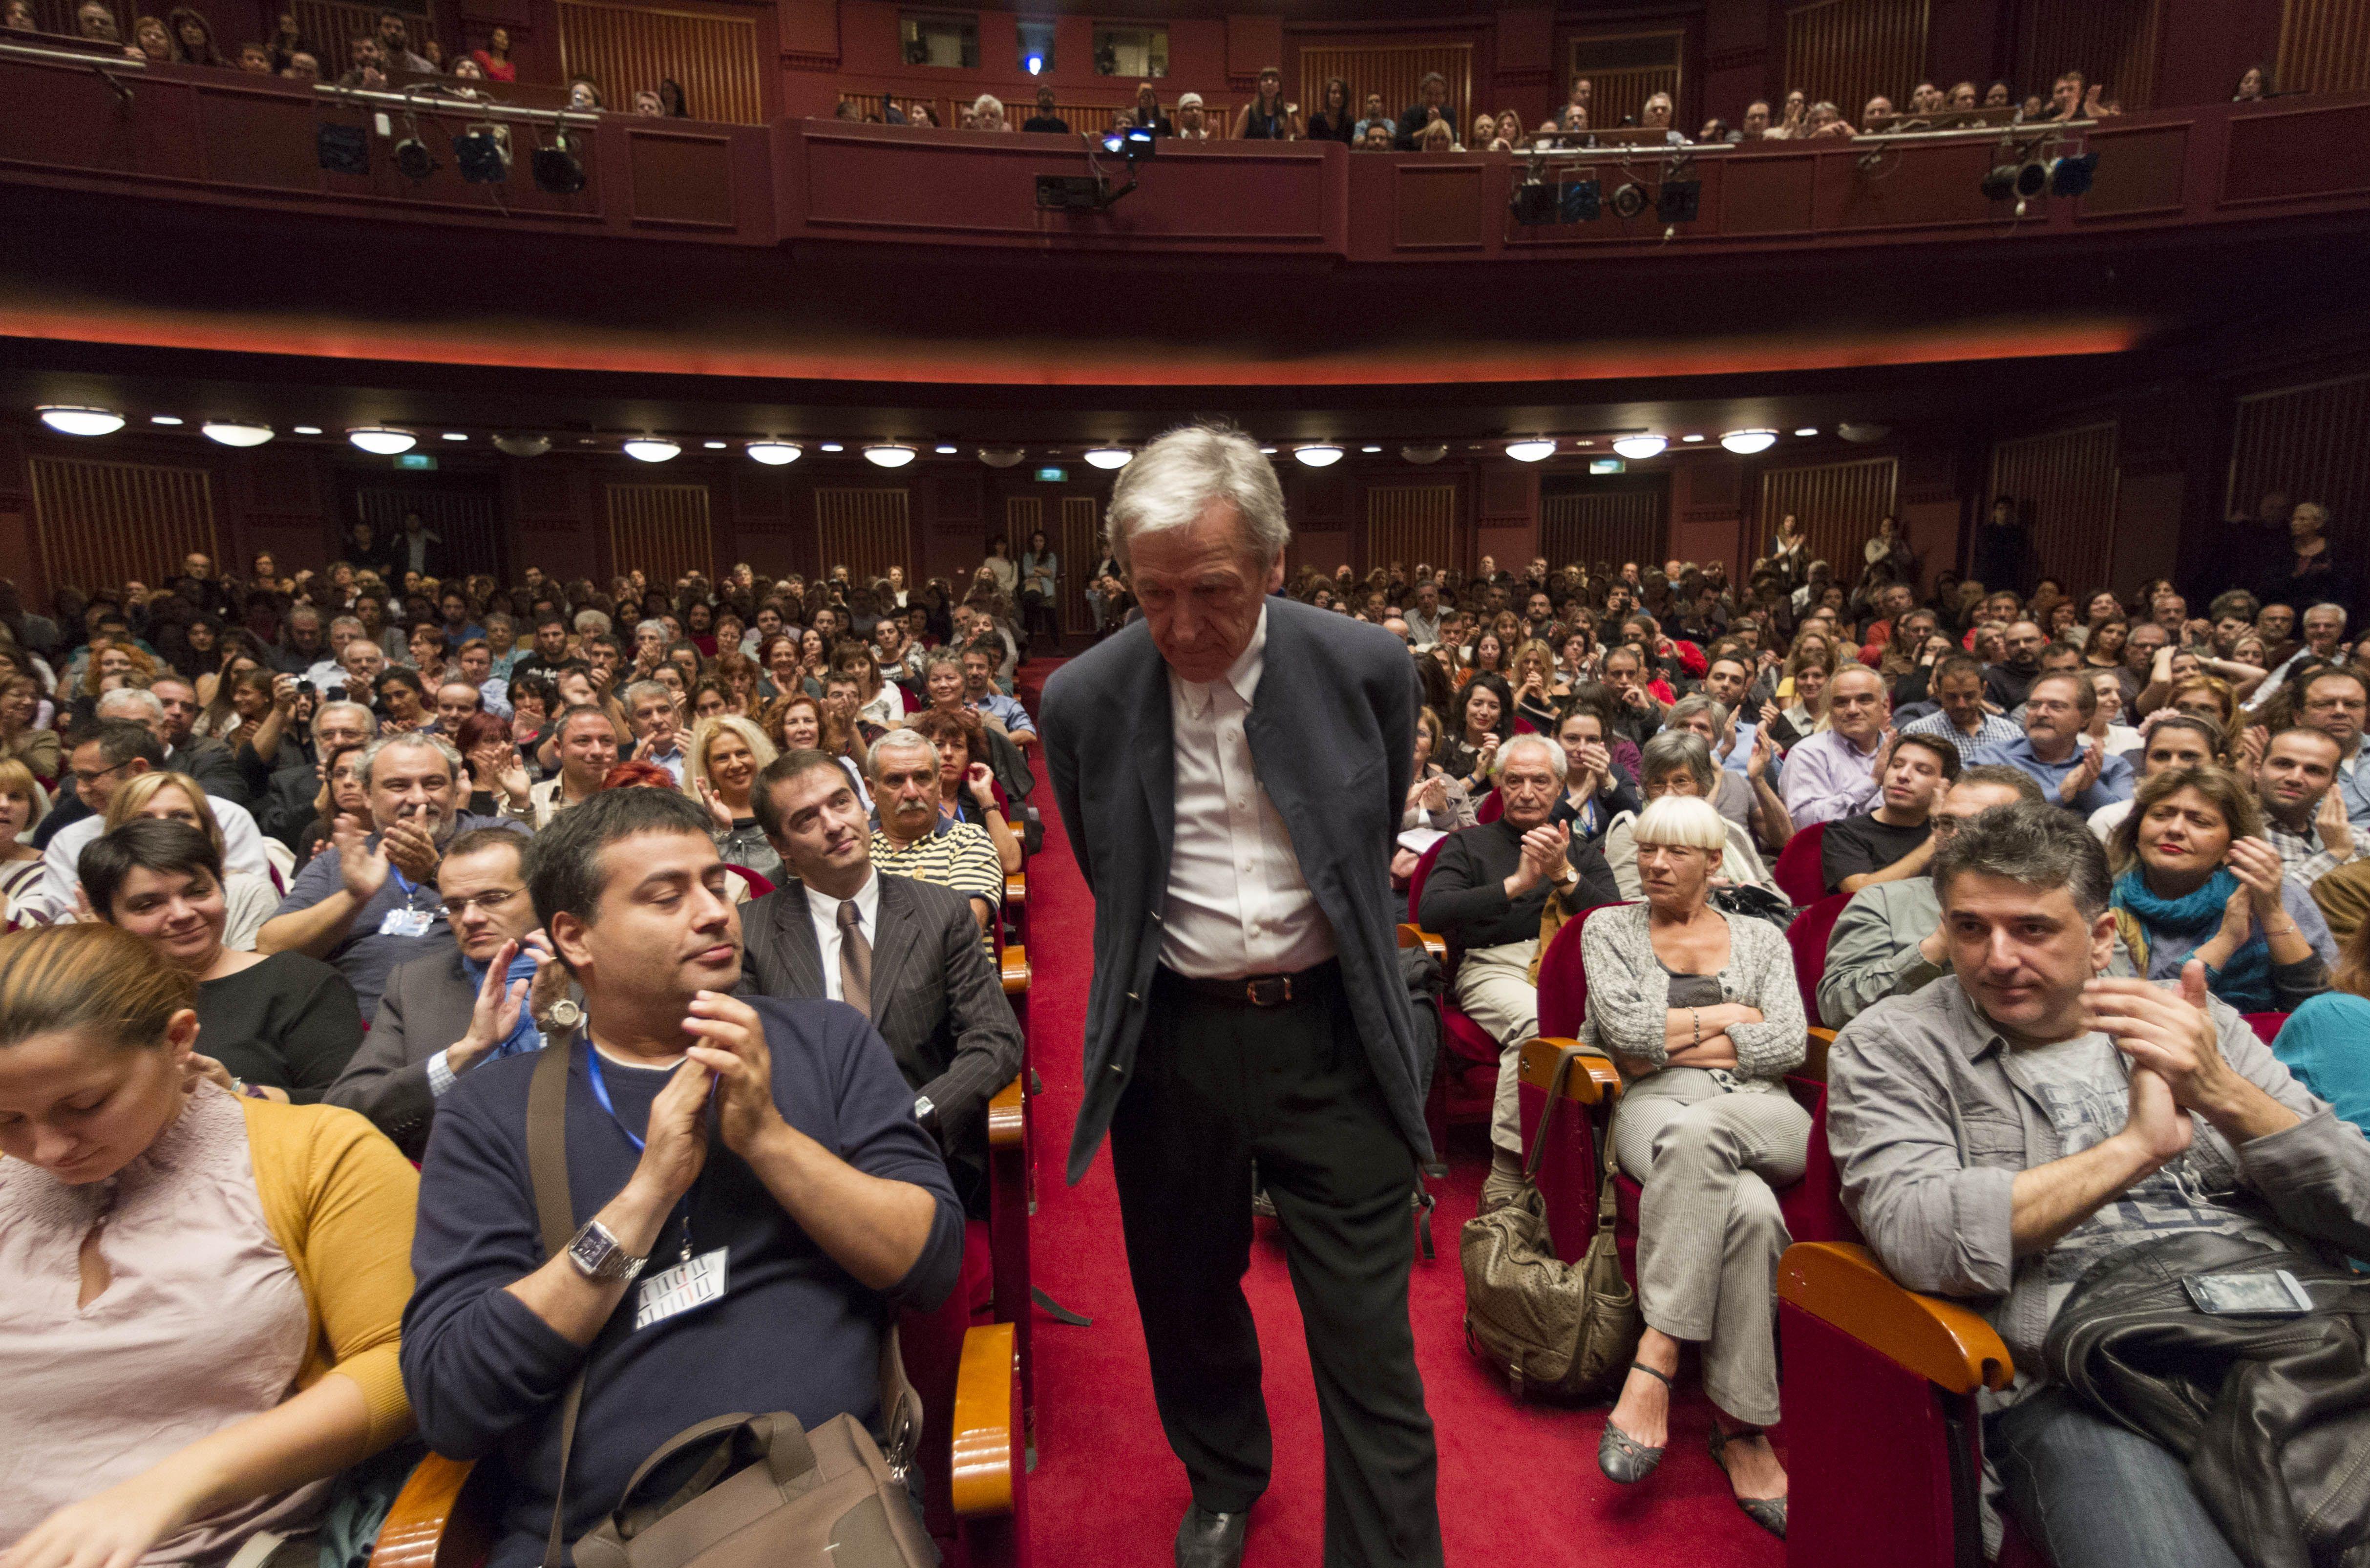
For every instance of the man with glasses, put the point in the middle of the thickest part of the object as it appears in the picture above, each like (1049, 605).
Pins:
(101, 757)
(443, 1013)
(2336, 702)
(2072, 770)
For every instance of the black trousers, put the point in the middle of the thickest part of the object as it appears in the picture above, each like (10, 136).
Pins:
(1218, 1086)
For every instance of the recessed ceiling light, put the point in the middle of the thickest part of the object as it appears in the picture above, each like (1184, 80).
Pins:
(1424, 454)
(945, 450)
(454, 436)
(1584, 444)
(651, 449)
(889, 454)
(1638, 448)
(833, 446)
(80, 421)
(163, 419)
(305, 429)
(380, 440)
(1370, 449)
(1267, 451)
(1318, 455)
(1534, 451)
(1808, 430)
(524, 446)
(713, 445)
(1110, 456)
(1745, 443)
(236, 432)
(1002, 457)
(1691, 438)
(774, 454)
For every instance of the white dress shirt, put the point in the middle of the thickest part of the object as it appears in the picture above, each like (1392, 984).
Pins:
(1237, 904)
(60, 868)
(824, 911)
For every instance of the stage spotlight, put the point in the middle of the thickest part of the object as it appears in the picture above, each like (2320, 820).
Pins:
(1629, 201)
(651, 449)
(382, 441)
(413, 160)
(1110, 456)
(80, 421)
(774, 454)
(2071, 176)
(1424, 454)
(1002, 457)
(1745, 443)
(557, 170)
(1534, 451)
(1535, 203)
(1679, 201)
(1320, 455)
(343, 149)
(889, 455)
(236, 432)
(483, 157)
(524, 446)
(1638, 448)
(1581, 202)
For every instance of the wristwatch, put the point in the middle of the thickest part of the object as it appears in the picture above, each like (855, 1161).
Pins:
(926, 1112)
(598, 1257)
(563, 1019)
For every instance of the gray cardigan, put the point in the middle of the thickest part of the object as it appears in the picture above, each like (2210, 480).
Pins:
(1628, 991)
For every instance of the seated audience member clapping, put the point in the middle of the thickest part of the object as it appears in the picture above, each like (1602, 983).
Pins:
(284, 1023)
(1833, 774)
(1676, 762)
(1743, 795)
(904, 954)
(720, 771)
(1894, 841)
(102, 758)
(2168, 740)
(248, 897)
(2303, 816)
(1485, 896)
(966, 783)
(811, 1176)
(2020, 1120)
(193, 1381)
(2198, 881)
(1597, 788)
(1479, 720)
(916, 840)
(2072, 770)
(1702, 1013)
(444, 1012)
(1437, 798)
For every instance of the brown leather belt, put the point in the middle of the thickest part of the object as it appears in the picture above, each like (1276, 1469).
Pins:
(1261, 990)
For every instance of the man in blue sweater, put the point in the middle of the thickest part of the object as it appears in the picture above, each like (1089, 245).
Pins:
(754, 1196)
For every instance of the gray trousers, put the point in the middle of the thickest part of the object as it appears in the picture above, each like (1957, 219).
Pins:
(1493, 986)
(1708, 1231)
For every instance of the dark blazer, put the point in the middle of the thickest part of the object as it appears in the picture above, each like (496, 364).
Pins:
(937, 999)
(425, 1007)
(1333, 738)
(211, 764)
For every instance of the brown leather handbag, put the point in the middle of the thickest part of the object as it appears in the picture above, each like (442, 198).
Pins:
(1567, 1330)
(769, 1494)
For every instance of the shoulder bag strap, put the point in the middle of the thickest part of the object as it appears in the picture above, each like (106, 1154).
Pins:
(547, 1169)
(1562, 1074)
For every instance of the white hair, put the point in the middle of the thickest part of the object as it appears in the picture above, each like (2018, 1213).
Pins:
(1557, 763)
(987, 104)
(111, 704)
(1177, 479)
(899, 738)
(1687, 820)
(370, 719)
(407, 740)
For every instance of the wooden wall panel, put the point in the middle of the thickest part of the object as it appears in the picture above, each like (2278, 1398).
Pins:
(1394, 70)
(2111, 42)
(662, 530)
(1626, 69)
(867, 529)
(1583, 527)
(1078, 545)
(2324, 46)
(624, 49)
(2065, 483)
(1409, 524)
(1847, 50)
(101, 524)
(2313, 444)
(1838, 503)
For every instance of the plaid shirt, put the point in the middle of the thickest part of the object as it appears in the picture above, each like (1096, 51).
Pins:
(2301, 853)
(1994, 730)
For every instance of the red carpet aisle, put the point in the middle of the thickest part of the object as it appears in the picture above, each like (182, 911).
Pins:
(1517, 1483)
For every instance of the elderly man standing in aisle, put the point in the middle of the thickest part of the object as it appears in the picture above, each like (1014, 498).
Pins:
(1231, 770)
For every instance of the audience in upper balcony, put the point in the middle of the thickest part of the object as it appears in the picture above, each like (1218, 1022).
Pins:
(1430, 108)
(1267, 118)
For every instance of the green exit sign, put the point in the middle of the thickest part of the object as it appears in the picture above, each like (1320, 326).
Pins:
(1605, 465)
(415, 460)
(1052, 476)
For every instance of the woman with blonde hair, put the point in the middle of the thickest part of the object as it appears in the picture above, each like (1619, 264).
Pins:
(248, 897)
(22, 802)
(720, 770)
(1800, 709)
(795, 723)
(1532, 675)
(234, 1340)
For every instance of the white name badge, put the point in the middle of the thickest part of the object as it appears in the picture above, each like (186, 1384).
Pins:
(406, 923)
(674, 1291)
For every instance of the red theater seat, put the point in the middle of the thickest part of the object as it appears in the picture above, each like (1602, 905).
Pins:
(1808, 937)
(1798, 875)
(1465, 1079)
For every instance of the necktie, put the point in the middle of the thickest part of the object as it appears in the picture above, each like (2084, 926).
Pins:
(855, 959)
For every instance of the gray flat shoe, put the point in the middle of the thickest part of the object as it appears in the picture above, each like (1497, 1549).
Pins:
(1622, 1457)
(1769, 1512)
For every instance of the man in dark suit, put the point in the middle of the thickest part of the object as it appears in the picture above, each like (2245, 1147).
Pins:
(443, 1014)
(1232, 772)
(906, 953)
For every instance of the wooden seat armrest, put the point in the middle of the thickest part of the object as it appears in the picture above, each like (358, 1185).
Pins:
(1015, 889)
(1593, 1079)
(1411, 935)
(1946, 1343)
(430, 1525)
(1814, 1055)
(1014, 961)
(984, 1444)
(1007, 1116)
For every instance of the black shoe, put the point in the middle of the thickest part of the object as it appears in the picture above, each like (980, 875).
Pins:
(1210, 1541)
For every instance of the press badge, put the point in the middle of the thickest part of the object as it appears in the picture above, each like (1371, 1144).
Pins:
(406, 923)
(688, 1285)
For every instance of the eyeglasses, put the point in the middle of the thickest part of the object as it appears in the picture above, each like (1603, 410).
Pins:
(81, 777)
(488, 902)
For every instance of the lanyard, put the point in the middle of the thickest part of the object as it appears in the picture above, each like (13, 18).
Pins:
(601, 1093)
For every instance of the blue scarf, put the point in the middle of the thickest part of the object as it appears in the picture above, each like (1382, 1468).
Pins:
(524, 1035)
(2245, 978)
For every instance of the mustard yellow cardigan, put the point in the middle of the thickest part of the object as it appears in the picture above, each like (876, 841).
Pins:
(340, 1200)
